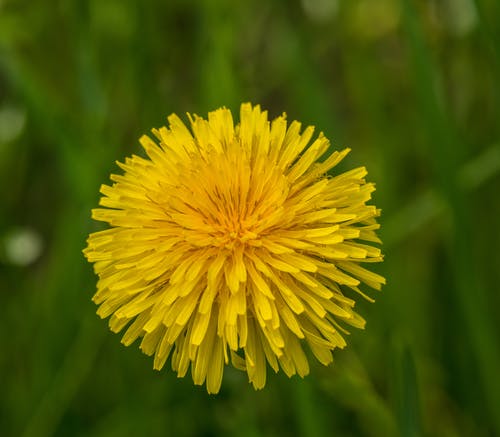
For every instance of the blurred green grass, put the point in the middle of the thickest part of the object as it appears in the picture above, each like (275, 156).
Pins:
(411, 86)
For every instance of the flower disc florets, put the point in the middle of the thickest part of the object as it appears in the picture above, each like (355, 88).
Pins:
(232, 243)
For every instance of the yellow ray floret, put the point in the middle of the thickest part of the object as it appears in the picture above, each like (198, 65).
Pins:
(234, 242)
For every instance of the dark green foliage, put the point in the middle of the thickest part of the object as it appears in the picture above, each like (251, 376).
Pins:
(410, 86)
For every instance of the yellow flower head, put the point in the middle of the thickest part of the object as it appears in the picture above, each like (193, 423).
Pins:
(232, 243)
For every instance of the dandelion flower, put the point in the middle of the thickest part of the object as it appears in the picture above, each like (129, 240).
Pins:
(234, 243)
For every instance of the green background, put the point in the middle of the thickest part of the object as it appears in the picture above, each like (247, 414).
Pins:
(411, 86)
